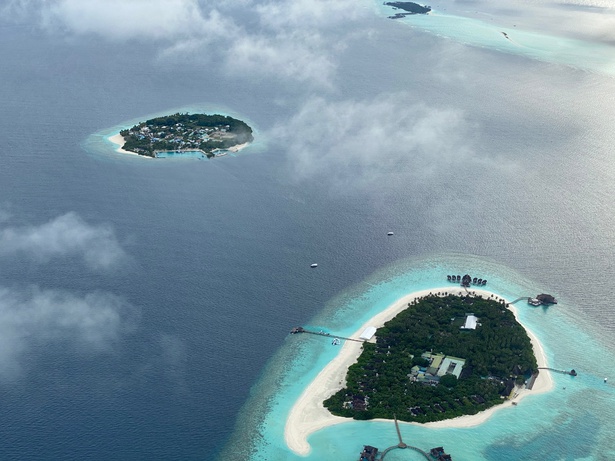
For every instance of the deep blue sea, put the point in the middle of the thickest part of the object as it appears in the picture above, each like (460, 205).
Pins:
(145, 304)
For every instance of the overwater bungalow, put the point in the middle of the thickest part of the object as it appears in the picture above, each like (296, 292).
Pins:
(368, 454)
(546, 299)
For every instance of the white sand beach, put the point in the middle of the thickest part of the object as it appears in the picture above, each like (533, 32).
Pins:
(308, 415)
(238, 147)
(120, 141)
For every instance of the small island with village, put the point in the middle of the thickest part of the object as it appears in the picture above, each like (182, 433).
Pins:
(209, 135)
(442, 357)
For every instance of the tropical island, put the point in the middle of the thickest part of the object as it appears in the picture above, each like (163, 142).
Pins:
(211, 135)
(409, 8)
(442, 357)
(309, 414)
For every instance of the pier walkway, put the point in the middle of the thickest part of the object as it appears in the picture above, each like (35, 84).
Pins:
(520, 299)
(322, 333)
(565, 372)
(403, 445)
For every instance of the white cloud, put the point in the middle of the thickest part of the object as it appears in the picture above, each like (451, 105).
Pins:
(358, 142)
(293, 14)
(66, 235)
(90, 323)
(281, 56)
(116, 19)
(297, 40)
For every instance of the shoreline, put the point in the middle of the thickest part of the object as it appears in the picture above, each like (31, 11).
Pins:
(119, 141)
(308, 414)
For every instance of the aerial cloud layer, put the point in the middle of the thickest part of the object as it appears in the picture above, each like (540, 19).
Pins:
(38, 318)
(115, 19)
(277, 39)
(33, 318)
(66, 235)
(358, 142)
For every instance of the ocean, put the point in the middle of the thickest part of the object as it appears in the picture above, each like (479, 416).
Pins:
(145, 305)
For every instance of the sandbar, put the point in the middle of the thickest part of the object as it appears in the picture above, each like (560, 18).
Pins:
(308, 415)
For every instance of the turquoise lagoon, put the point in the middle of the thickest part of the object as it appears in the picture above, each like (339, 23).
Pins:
(572, 421)
(487, 31)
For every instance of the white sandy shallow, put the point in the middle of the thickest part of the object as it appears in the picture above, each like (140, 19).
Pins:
(238, 147)
(119, 140)
(308, 415)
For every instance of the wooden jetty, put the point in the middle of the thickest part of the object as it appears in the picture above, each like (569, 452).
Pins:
(296, 330)
(371, 453)
(572, 372)
(521, 298)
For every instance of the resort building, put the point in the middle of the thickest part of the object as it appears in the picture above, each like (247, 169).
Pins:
(451, 366)
(368, 333)
(439, 365)
(471, 322)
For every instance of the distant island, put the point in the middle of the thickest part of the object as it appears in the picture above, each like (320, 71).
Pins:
(212, 135)
(409, 7)
(442, 357)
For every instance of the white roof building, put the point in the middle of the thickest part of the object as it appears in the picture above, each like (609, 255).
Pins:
(368, 333)
(451, 366)
(471, 322)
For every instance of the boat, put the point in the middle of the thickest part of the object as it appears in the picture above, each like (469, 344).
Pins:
(390, 233)
(314, 265)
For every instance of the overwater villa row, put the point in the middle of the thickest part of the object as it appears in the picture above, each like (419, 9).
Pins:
(466, 280)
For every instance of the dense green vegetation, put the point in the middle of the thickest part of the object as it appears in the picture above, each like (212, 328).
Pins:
(186, 132)
(498, 353)
(410, 7)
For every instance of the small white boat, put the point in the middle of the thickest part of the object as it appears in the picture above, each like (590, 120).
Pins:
(606, 379)
(390, 233)
(314, 265)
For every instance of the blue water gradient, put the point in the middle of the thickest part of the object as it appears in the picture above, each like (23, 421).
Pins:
(570, 422)
(541, 46)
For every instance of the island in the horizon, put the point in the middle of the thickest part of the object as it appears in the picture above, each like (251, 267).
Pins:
(441, 358)
(211, 135)
(409, 8)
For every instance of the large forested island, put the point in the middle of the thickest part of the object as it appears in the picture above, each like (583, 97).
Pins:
(442, 357)
(186, 132)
